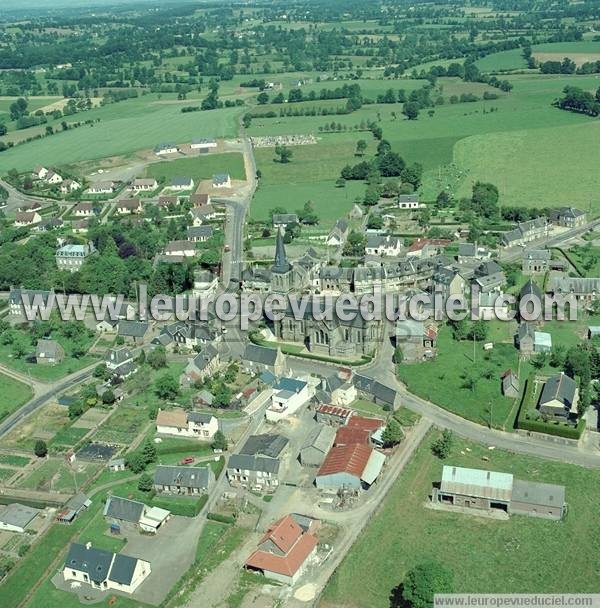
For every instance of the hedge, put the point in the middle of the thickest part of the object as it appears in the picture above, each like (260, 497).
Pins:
(224, 519)
(539, 426)
(184, 507)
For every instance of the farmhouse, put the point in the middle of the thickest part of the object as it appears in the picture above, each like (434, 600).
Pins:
(40, 172)
(120, 362)
(425, 248)
(318, 443)
(27, 218)
(102, 187)
(536, 260)
(525, 339)
(127, 206)
(283, 220)
(526, 232)
(132, 331)
(202, 214)
(339, 389)
(71, 257)
(53, 178)
(144, 185)
(48, 352)
(163, 149)
(185, 249)
(15, 517)
(69, 185)
(568, 217)
(583, 289)
(199, 200)
(203, 144)
(471, 253)
(221, 180)
(559, 397)
(122, 510)
(51, 223)
(285, 550)
(257, 359)
(103, 569)
(378, 392)
(183, 479)
(408, 201)
(182, 183)
(201, 366)
(80, 226)
(199, 234)
(83, 209)
(383, 244)
(166, 201)
(186, 424)
(491, 491)
(338, 234)
(354, 466)
(253, 472)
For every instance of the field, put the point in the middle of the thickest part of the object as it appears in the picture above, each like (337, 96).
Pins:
(522, 555)
(13, 394)
(199, 168)
(124, 128)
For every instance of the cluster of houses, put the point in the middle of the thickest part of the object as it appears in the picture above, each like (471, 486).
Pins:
(52, 178)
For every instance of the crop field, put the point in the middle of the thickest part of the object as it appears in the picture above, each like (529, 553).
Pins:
(124, 128)
(13, 394)
(485, 555)
(199, 168)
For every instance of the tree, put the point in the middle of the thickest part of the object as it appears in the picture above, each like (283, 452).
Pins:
(145, 483)
(355, 244)
(390, 164)
(398, 355)
(40, 449)
(157, 358)
(478, 331)
(222, 395)
(361, 146)
(149, 452)
(375, 221)
(262, 98)
(340, 182)
(135, 462)
(484, 200)
(219, 441)
(441, 447)
(166, 387)
(411, 110)
(423, 581)
(108, 397)
(76, 409)
(283, 153)
(392, 434)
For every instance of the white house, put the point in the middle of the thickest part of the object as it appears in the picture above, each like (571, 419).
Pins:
(69, 185)
(185, 249)
(163, 149)
(27, 218)
(380, 244)
(186, 424)
(104, 570)
(206, 283)
(144, 185)
(289, 395)
(83, 209)
(103, 187)
(40, 172)
(221, 180)
(181, 183)
(408, 201)
(53, 178)
(148, 519)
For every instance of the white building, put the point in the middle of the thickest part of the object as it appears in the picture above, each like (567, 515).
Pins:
(15, 517)
(289, 395)
(103, 569)
(186, 424)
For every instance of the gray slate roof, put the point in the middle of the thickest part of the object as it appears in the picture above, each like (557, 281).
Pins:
(267, 445)
(133, 329)
(260, 354)
(123, 509)
(253, 463)
(535, 493)
(94, 562)
(188, 477)
(560, 387)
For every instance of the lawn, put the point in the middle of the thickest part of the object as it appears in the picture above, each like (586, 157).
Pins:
(586, 258)
(124, 128)
(16, 461)
(502, 61)
(199, 168)
(444, 380)
(13, 394)
(521, 555)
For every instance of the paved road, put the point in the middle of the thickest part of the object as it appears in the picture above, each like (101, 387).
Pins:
(17, 199)
(31, 406)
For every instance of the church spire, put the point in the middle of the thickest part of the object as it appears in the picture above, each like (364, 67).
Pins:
(281, 263)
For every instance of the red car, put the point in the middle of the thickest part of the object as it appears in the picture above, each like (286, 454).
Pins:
(188, 460)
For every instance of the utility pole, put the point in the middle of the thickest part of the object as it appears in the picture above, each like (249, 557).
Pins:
(490, 408)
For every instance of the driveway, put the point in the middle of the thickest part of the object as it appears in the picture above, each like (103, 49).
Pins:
(171, 551)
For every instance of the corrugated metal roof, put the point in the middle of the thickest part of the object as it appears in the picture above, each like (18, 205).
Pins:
(373, 468)
(477, 483)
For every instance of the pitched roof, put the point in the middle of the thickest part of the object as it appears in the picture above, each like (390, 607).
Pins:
(122, 569)
(347, 435)
(334, 410)
(269, 445)
(560, 387)
(351, 459)
(253, 463)
(477, 482)
(123, 509)
(94, 562)
(299, 546)
(133, 329)
(188, 477)
(368, 424)
(321, 438)
(260, 354)
(536, 493)
(172, 418)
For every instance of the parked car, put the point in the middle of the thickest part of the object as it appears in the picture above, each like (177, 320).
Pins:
(188, 460)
